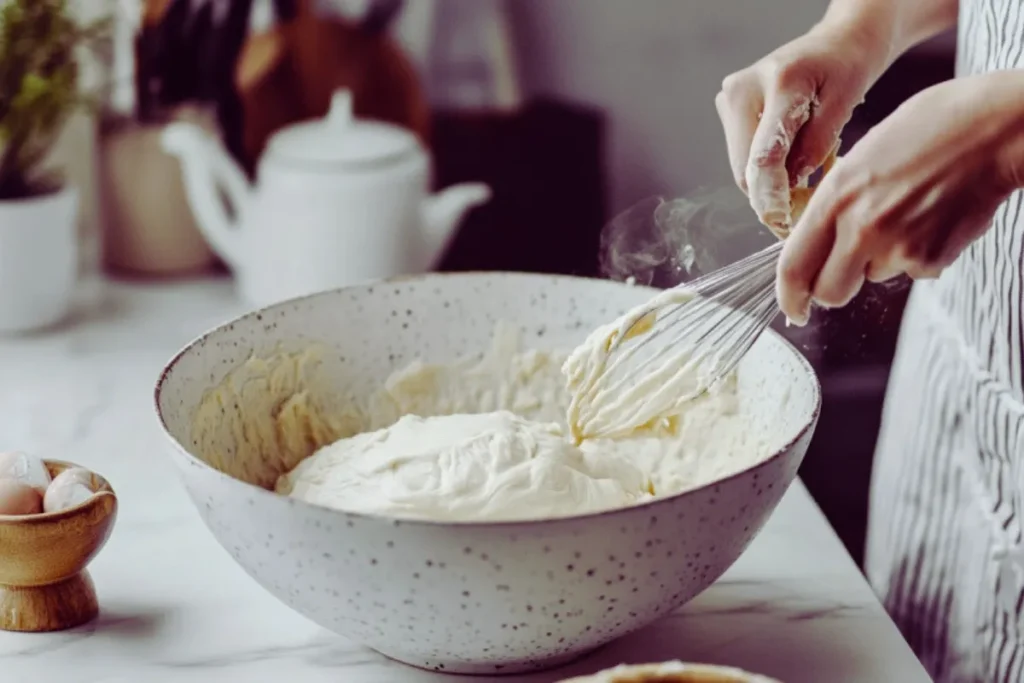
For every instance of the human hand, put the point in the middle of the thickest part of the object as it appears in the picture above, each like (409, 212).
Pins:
(782, 116)
(910, 195)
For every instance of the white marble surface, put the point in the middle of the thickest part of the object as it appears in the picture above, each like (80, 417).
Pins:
(175, 607)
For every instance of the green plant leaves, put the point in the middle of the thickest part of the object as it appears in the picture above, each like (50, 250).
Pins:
(39, 88)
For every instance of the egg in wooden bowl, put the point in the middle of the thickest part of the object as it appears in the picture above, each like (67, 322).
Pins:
(44, 585)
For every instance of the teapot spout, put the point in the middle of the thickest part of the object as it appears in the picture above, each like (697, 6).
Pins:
(442, 213)
(210, 177)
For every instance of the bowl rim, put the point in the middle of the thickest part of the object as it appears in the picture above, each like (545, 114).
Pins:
(256, 314)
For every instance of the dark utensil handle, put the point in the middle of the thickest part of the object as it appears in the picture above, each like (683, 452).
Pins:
(159, 61)
(380, 16)
(285, 10)
(229, 42)
(202, 48)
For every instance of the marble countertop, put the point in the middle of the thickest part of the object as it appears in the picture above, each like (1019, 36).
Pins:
(175, 606)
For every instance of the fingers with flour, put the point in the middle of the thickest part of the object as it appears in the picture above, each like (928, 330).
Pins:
(739, 105)
(842, 274)
(815, 143)
(804, 255)
(886, 267)
(767, 179)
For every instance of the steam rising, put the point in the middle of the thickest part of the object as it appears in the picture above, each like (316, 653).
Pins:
(663, 242)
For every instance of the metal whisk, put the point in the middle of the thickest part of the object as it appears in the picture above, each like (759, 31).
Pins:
(730, 309)
(673, 349)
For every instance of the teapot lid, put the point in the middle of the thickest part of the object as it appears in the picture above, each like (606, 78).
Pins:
(340, 137)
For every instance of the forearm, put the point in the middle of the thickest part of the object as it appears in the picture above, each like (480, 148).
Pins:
(920, 20)
(898, 24)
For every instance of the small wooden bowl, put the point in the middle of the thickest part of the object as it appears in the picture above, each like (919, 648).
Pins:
(43, 582)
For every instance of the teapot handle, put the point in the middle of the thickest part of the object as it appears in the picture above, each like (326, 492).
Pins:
(217, 189)
(231, 193)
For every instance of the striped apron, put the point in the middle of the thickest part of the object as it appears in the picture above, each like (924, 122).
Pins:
(945, 546)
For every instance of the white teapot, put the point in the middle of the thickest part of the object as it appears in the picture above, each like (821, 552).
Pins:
(336, 202)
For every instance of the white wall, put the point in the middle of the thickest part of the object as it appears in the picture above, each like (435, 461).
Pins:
(655, 67)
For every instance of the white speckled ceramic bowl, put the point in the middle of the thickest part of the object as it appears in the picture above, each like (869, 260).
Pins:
(472, 597)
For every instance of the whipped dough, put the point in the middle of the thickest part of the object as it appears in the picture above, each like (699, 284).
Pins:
(480, 439)
(487, 439)
(269, 413)
(526, 382)
(616, 395)
(466, 467)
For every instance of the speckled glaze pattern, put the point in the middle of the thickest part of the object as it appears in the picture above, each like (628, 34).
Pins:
(480, 598)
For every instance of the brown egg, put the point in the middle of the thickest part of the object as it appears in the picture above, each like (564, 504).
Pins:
(68, 489)
(24, 468)
(19, 498)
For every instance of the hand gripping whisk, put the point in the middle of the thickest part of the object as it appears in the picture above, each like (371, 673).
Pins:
(636, 371)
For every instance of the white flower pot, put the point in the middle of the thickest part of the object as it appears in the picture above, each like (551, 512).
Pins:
(38, 259)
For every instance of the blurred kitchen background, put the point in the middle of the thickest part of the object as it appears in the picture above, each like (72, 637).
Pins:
(570, 110)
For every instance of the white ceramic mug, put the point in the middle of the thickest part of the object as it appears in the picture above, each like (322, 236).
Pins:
(38, 259)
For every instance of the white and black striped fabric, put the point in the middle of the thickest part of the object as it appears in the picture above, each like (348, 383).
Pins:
(945, 548)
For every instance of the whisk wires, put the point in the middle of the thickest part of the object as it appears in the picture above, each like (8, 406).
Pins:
(674, 348)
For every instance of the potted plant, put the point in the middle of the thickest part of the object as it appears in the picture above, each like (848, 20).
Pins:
(40, 43)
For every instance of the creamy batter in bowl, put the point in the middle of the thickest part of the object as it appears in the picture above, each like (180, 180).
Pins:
(466, 596)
